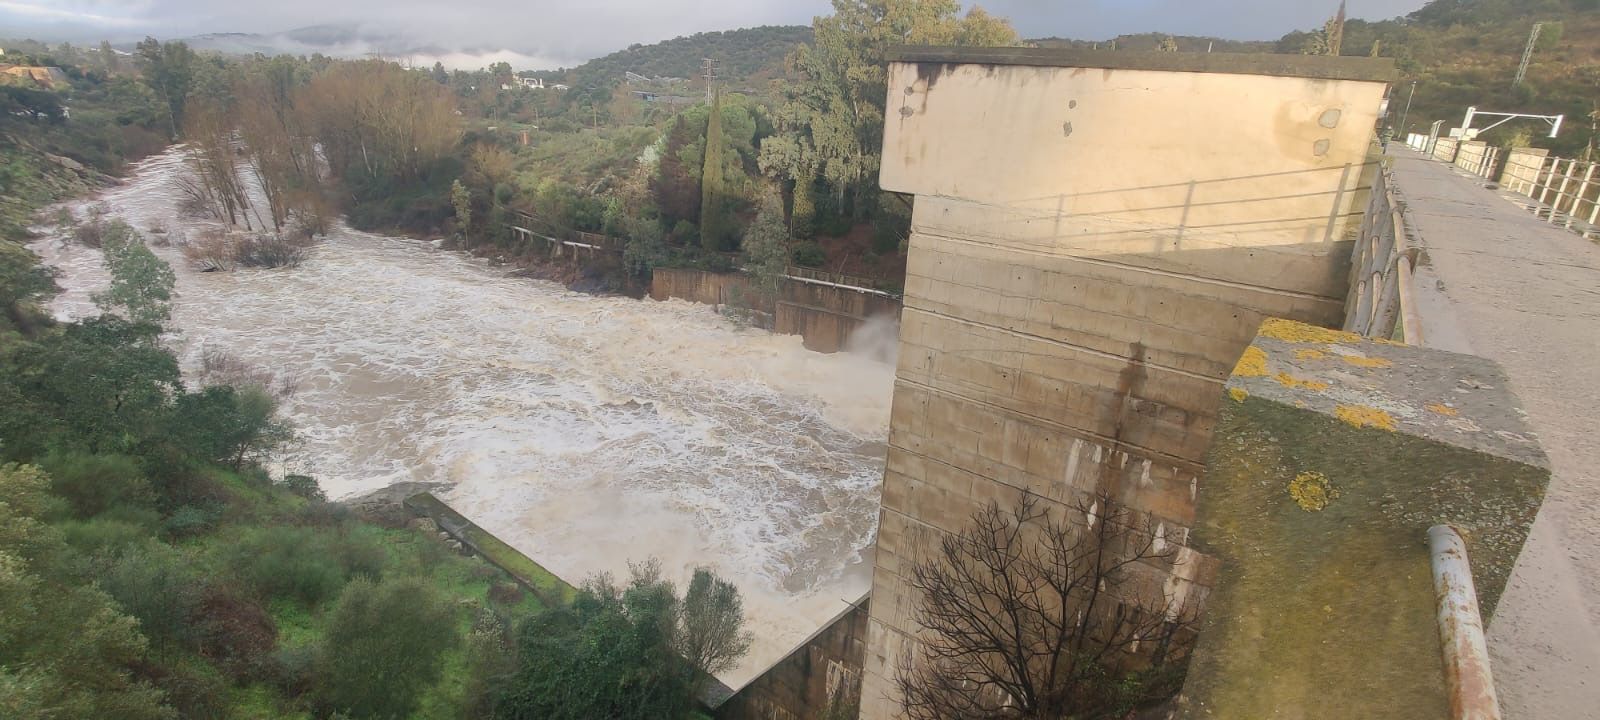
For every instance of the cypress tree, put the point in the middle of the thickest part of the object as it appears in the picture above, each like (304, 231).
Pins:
(711, 180)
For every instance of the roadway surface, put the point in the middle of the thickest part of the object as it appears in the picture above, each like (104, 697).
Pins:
(1510, 287)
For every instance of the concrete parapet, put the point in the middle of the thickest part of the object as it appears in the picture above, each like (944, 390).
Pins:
(1331, 458)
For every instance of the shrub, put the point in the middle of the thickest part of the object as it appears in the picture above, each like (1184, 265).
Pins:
(92, 484)
(188, 521)
(158, 585)
(809, 254)
(272, 250)
(305, 486)
(235, 633)
(308, 565)
(111, 531)
(383, 647)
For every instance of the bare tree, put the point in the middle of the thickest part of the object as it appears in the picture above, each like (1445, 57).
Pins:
(1033, 615)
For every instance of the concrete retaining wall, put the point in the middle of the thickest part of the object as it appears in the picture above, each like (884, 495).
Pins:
(825, 669)
(823, 316)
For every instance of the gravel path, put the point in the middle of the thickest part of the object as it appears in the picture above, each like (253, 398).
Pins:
(1527, 295)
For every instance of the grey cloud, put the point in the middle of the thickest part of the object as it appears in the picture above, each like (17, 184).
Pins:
(567, 32)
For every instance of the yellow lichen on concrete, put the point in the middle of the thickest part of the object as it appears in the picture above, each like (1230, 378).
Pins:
(1252, 364)
(1238, 394)
(1291, 331)
(1309, 354)
(1363, 361)
(1445, 410)
(1363, 416)
(1312, 491)
(1290, 381)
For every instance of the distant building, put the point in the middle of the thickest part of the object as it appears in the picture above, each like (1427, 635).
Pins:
(560, 87)
(531, 83)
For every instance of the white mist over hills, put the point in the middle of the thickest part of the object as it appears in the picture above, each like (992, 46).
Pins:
(352, 40)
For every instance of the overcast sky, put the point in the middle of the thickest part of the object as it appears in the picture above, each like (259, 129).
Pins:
(573, 30)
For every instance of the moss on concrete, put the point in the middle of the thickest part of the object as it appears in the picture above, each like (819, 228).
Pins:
(1317, 502)
(550, 588)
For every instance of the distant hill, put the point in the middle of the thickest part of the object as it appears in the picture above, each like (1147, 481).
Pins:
(1152, 41)
(746, 57)
(1466, 52)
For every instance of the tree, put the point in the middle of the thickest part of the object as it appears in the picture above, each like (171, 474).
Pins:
(766, 245)
(634, 652)
(711, 634)
(1039, 615)
(101, 385)
(461, 200)
(381, 124)
(830, 125)
(674, 188)
(108, 58)
(141, 283)
(711, 197)
(67, 650)
(609, 655)
(383, 647)
(169, 70)
(440, 75)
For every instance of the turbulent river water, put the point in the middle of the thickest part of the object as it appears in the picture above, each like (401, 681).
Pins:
(586, 431)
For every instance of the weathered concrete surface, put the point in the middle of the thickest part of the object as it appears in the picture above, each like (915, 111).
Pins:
(1506, 286)
(824, 670)
(1092, 247)
(825, 317)
(1332, 457)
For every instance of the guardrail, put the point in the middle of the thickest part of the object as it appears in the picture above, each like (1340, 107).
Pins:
(1466, 656)
(1380, 299)
(838, 280)
(1564, 189)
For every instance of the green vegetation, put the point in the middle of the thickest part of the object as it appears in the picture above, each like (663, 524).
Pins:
(151, 568)
(545, 583)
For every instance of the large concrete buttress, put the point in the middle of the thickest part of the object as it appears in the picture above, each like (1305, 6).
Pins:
(1096, 237)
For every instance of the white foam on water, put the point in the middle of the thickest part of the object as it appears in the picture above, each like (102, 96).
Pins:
(585, 431)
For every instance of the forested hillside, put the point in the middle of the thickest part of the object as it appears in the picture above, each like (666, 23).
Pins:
(745, 57)
(1464, 53)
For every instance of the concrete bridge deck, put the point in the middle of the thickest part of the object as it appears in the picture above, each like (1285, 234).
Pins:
(1500, 283)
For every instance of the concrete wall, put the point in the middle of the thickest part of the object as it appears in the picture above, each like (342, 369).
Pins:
(823, 316)
(825, 669)
(1523, 167)
(697, 285)
(1095, 239)
(1333, 456)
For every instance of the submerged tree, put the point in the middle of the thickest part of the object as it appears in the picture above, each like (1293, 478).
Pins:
(141, 283)
(1031, 614)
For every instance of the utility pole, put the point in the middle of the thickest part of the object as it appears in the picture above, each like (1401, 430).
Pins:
(1407, 111)
(1527, 54)
(708, 67)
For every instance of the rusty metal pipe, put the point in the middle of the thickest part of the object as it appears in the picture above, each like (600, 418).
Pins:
(1466, 657)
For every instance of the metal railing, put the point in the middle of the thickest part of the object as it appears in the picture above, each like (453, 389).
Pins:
(839, 280)
(1380, 299)
(1564, 190)
(1466, 656)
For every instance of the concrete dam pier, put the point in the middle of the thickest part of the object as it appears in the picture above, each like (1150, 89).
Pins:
(1125, 272)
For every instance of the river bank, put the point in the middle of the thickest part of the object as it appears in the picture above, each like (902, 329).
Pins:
(584, 430)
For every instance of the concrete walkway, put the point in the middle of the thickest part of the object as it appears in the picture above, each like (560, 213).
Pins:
(1514, 289)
